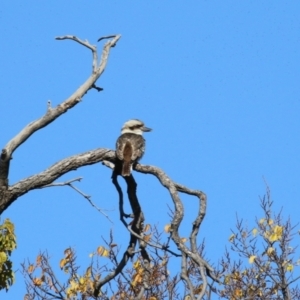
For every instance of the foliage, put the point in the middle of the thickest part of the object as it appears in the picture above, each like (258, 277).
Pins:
(43, 283)
(7, 245)
(267, 267)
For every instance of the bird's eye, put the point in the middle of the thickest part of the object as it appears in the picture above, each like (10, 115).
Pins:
(131, 128)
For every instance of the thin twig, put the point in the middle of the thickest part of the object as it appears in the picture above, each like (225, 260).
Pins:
(158, 246)
(106, 37)
(87, 197)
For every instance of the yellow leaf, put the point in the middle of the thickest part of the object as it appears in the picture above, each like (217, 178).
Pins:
(273, 237)
(198, 289)
(254, 232)
(9, 226)
(3, 257)
(236, 275)
(251, 259)
(106, 253)
(231, 238)
(62, 263)
(167, 228)
(38, 260)
(30, 269)
(238, 293)
(183, 240)
(81, 280)
(73, 284)
(102, 251)
(152, 298)
(147, 238)
(91, 254)
(68, 253)
(136, 265)
(270, 221)
(270, 251)
(289, 267)
(261, 221)
(227, 279)
(147, 227)
(37, 281)
(278, 230)
(138, 278)
(88, 272)
(276, 234)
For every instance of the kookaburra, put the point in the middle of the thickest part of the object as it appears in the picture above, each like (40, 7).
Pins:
(130, 145)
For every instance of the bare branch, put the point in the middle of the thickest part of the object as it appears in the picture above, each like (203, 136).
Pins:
(84, 43)
(201, 214)
(106, 37)
(87, 197)
(74, 99)
(185, 276)
(97, 88)
(58, 169)
(61, 183)
(76, 39)
(178, 215)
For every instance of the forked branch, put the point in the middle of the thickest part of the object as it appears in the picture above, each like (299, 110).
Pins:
(192, 253)
(55, 171)
(71, 185)
(55, 112)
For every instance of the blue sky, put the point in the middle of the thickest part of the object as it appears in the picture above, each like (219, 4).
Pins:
(218, 81)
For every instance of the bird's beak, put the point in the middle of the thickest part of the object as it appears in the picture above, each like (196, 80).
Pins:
(146, 129)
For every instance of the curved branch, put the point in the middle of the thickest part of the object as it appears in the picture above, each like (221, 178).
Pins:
(179, 213)
(185, 277)
(84, 43)
(55, 171)
(201, 214)
(75, 98)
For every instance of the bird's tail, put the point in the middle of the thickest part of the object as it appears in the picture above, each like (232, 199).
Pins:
(127, 153)
(126, 169)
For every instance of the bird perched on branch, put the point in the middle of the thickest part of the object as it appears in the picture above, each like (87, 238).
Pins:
(131, 145)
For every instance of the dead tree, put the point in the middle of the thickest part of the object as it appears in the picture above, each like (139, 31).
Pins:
(189, 254)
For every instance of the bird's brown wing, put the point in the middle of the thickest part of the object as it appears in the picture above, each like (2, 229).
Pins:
(138, 146)
(137, 143)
